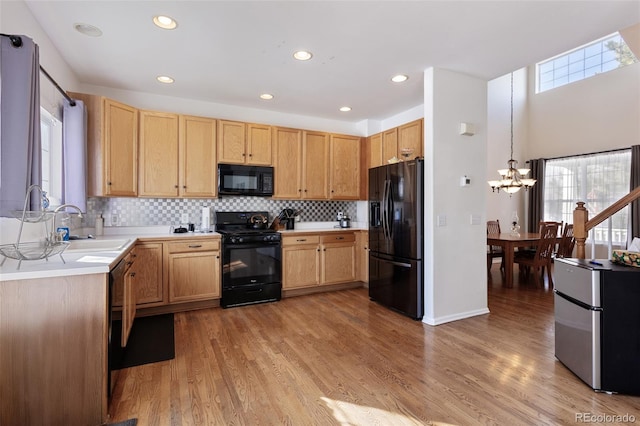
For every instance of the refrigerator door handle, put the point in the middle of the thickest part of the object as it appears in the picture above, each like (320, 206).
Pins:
(392, 262)
(389, 208)
(385, 213)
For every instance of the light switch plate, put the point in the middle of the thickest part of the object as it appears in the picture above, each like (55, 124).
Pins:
(475, 219)
(441, 220)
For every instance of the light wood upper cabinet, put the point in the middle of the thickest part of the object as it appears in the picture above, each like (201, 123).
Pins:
(112, 147)
(410, 136)
(197, 154)
(315, 166)
(345, 167)
(177, 156)
(244, 143)
(259, 144)
(389, 144)
(287, 163)
(158, 154)
(374, 149)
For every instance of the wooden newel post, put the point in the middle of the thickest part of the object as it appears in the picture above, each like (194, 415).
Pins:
(580, 218)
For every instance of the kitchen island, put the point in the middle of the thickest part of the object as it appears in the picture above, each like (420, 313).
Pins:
(54, 324)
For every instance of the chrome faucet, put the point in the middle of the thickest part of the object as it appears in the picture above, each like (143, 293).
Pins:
(55, 236)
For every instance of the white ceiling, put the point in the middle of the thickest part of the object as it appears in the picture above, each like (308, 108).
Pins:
(229, 52)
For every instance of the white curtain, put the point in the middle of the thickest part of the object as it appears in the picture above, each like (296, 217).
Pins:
(74, 156)
(20, 146)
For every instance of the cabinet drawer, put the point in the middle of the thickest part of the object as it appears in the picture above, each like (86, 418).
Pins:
(191, 246)
(349, 237)
(294, 240)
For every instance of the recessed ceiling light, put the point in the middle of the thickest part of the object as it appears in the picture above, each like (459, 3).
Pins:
(266, 96)
(302, 55)
(88, 30)
(164, 79)
(165, 22)
(345, 109)
(399, 78)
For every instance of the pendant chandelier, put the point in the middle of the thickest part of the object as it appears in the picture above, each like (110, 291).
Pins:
(512, 178)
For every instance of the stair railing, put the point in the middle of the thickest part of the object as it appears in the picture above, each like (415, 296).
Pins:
(582, 224)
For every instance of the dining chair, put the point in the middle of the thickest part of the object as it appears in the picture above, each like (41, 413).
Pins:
(567, 242)
(542, 256)
(493, 227)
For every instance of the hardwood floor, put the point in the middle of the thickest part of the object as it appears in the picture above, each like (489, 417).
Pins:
(339, 359)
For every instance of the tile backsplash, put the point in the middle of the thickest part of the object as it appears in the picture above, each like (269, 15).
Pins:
(169, 211)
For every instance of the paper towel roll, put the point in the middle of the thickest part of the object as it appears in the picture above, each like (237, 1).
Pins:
(205, 225)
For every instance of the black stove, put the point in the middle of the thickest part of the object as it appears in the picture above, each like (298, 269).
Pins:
(251, 258)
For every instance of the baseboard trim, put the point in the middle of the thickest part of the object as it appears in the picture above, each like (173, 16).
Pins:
(455, 317)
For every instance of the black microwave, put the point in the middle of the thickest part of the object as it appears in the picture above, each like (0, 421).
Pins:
(235, 179)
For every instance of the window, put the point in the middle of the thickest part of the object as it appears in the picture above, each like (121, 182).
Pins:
(51, 137)
(599, 180)
(602, 55)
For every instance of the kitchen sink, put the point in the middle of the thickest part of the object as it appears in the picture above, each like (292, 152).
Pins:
(97, 245)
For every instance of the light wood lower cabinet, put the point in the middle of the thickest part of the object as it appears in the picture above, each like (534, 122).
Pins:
(318, 259)
(193, 270)
(362, 247)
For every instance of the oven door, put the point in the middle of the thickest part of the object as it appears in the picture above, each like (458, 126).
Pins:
(249, 264)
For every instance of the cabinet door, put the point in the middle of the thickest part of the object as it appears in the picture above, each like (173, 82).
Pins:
(338, 263)
(389, 145)
(315, 166)
(410, 136)
(287, 163)
(259, 144)
(345, 167)
(375, 150)
(120, 149)
(193, 276)
(362, 256)
(128, 304)
(231, 142)
(300, 266)
(198, 169)
(158, 154)
(148, 266)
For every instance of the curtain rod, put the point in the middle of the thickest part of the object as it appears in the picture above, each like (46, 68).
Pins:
(584, 155)
(16, 41)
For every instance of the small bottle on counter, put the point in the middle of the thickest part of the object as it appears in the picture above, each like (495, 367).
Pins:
(99, 225)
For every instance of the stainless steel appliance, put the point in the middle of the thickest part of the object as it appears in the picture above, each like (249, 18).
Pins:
(251, 259)
(235, 179)
(597, 323)
(396, 236)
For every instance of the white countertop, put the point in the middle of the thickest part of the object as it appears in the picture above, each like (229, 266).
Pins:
(90, 261)
(83, 262)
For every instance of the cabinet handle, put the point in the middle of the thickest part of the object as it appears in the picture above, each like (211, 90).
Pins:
(244, 155)
(332, 191)
(134, 255)
(324, 249)
(195, 245)
(175, 186)
(302, 239)
(305, 190)
(339, 238)
(250, 155)
(129, 263)
(108, 183)
(318, 250)
(299, 190)
(217, 257)
(184, 186)
(133, 274)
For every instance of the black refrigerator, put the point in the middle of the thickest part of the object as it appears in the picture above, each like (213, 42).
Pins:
(396, 218)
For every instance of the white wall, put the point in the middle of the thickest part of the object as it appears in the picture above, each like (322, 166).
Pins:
(455, 262)
(501, 206)
(595, 114)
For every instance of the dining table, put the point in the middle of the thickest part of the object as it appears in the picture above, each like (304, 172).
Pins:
(509, 242)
